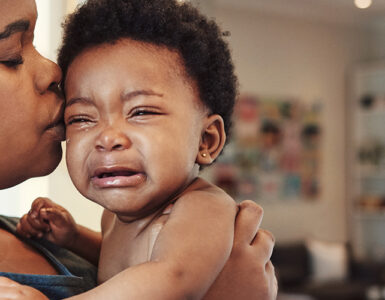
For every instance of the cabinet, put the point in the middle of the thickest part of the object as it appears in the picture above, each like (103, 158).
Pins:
(366, 161)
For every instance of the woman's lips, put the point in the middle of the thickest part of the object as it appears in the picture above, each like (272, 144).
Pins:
(121, 178)
(57, 131)
(57, 127)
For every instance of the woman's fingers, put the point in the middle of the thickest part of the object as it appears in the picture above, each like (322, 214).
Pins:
(247, 223)
(258, 245)
(4, 281)
(10, 289)
(263, 244)
(273, 283)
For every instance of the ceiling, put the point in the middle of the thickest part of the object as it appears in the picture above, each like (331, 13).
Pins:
(335, 11)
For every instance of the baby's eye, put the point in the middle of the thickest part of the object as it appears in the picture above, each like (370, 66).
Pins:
(13, 62)
(144, 112)
(141, 112)
(78, 120)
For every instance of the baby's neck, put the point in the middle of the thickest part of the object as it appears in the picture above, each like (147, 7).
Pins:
(132, 242)
(148, 215)
(129, 243)
(138, 224)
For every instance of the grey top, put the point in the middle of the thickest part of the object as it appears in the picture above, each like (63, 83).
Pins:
(76, 275)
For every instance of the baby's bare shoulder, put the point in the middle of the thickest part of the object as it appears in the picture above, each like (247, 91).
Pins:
(202, 191)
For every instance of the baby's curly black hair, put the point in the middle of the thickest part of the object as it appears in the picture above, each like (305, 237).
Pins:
(179, 27)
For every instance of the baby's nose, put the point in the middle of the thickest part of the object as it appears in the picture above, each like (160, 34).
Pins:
(111, 139)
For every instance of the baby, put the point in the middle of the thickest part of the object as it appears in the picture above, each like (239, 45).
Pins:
(149, 91)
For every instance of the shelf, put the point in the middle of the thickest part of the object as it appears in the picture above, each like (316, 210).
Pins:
(370, 214)
(366, 176)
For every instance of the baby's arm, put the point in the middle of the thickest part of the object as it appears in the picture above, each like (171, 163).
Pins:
(53, 222)
(190, 252)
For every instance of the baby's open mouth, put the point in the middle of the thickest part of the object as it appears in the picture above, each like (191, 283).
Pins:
(117, 177)
(116, 174)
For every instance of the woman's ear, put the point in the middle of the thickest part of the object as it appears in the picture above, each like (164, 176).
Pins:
(212, 141)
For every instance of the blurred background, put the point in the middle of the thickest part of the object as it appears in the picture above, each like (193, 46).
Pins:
(308, 141)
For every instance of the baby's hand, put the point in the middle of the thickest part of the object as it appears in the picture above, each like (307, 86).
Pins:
(49, 220)
(10, 289)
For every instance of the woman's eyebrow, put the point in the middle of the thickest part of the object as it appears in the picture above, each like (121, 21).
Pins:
(18, 26)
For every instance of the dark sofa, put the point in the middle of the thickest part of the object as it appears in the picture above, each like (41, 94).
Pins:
(294, 272)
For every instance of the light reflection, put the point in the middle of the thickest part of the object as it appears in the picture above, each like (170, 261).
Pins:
(362, 4)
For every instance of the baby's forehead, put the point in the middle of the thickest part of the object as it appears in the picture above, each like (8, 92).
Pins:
(136, 55)
(131, 62)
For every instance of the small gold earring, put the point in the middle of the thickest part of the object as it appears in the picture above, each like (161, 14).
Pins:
(204, 154)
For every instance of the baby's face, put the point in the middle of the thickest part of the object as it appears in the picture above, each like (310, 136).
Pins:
(134, 123)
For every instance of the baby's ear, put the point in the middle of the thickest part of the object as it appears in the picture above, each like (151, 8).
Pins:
(212, 141)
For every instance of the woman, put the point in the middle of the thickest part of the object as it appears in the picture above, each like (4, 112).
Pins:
(30, 136)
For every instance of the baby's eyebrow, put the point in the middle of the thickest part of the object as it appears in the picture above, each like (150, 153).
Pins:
(125, 97)
(82, 100)
(133, 94)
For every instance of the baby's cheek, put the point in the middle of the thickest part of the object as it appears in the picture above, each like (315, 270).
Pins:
(74, 156)
(70, 158)
(76, 168)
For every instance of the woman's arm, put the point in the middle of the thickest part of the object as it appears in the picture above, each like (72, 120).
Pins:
(249, 273)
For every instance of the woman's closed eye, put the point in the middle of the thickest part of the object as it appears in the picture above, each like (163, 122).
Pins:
(12, 62)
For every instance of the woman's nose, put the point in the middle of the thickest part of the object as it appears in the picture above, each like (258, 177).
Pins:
(112, 139)
(48, 75)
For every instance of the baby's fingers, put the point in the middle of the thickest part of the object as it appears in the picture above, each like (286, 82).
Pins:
(36, 221)
(39, 203)
(33, 217)
(25, 228)
(55, 216)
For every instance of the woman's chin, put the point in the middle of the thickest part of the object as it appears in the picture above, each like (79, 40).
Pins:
(49, 163)
(45, 165)
(16, 169)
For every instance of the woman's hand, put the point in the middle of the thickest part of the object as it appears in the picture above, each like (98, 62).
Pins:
(249, 273)
(10, 289)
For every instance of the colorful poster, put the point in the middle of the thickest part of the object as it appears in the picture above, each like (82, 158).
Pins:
(274, 151)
